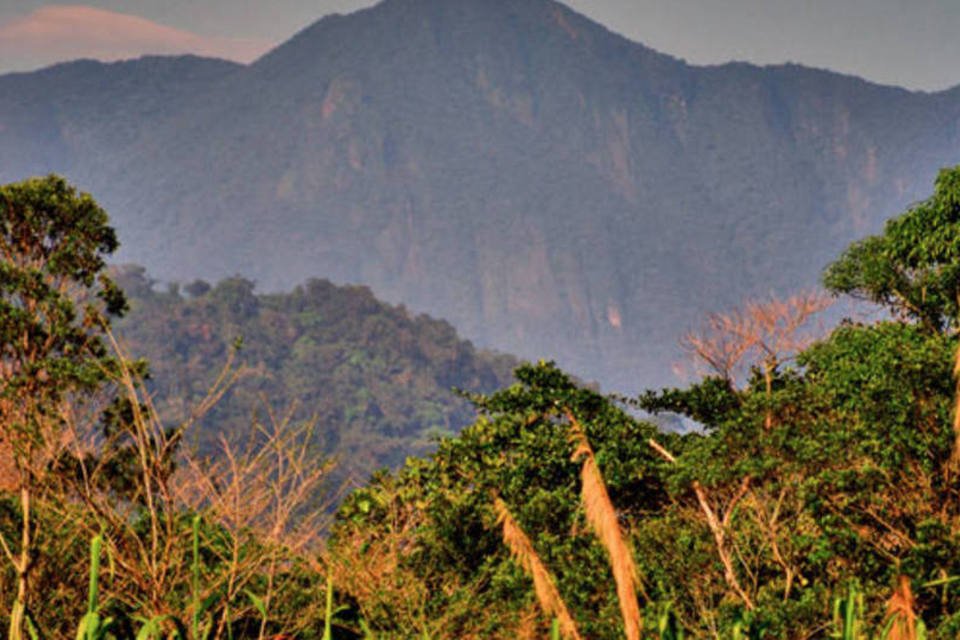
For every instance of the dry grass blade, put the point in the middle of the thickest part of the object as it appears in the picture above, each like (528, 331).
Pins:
(901, 612)
(543, 583)
(602, 517)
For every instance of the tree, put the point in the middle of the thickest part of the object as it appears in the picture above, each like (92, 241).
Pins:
(764, 333)
(55, 300)
(568, 465)
(822, 466)
(913, 267)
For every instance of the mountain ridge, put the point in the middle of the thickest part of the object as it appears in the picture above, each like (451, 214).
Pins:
(550, 187)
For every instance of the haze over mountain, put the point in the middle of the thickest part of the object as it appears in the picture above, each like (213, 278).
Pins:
(551, 188)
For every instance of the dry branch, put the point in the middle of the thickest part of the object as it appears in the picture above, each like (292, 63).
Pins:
(716, 525)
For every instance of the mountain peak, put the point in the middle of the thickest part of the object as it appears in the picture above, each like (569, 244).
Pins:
(553, 189)
(462, 36)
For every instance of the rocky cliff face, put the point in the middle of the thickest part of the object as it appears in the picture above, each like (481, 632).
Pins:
(551, 188)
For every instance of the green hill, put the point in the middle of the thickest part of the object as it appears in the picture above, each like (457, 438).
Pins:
(377, 379)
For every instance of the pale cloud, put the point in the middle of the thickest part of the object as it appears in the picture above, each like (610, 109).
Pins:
(65, 32)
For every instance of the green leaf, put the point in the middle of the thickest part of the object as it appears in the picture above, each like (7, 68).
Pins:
(257, 602)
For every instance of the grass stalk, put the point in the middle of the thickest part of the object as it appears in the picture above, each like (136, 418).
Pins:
(328, 611)
(93, 626)
(544, 585)
(602, 517)
(195, 578)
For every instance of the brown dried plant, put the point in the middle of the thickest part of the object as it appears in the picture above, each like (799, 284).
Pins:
(264, 491)
(901, 612)
(154, 563)
(544, 585)
(763, 333)
(769, 331)
(372, 570)
(719, 346)
(602, 517)
(257, 496)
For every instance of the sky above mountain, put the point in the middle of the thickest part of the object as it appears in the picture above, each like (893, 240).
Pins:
(910, 43)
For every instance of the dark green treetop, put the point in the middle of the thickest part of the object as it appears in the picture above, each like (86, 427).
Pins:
(913, 267)
(55, 295)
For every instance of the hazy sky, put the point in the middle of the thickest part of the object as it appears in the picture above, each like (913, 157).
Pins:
(912, 43)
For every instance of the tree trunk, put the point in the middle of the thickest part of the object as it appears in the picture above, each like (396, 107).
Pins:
(718, 529)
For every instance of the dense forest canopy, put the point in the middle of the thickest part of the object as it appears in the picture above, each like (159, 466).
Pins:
(378, 381)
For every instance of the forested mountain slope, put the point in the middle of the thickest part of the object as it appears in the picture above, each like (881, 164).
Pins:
(377, 381)
(552, 189)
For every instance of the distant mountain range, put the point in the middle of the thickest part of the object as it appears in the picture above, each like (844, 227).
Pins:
(551, 188)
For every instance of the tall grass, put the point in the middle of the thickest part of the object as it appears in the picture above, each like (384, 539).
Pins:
(848, 615)
(544, 585)
(900, 621)
(602, 517)
(93, 626)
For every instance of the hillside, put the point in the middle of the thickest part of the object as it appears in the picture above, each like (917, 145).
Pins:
(550, 188)
(377, 379)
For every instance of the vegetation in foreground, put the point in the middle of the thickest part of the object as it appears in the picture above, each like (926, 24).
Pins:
(818, 499)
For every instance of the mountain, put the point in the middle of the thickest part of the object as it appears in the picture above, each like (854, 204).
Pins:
(552, 189)
(377, 380)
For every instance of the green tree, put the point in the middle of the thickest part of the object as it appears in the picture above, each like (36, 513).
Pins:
(815, 465)
(55, 299)
(913, 267)
(520, 452)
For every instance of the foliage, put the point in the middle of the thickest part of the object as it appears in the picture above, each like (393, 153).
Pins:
(55, 298)
(913, 267)
(195, 549)
(742, 526)
(521, 450)
(376, 380)
(84, 456)
(829, 462)
(817, 498)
